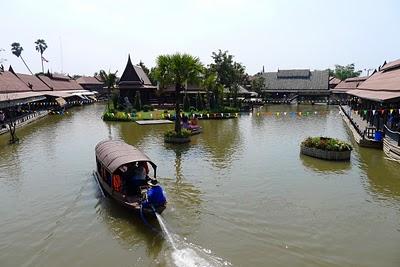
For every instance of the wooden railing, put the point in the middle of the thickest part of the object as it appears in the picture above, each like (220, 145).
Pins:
(355, 125)
(395, 136)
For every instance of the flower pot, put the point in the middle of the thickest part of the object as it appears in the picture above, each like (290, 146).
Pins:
(325, 154)
(177, 140)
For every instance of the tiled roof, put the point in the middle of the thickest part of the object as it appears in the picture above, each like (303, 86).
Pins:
(391, 65)
(296, 80)
(134, 75)
(387, 79)
(33, 82)
(334, 81)
(87, 80)
(10, 83)
(350, 83)
(60, 83)
(374, 95)
(381, 85)
(305, 74)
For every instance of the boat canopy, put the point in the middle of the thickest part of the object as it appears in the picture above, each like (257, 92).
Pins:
(115, 153)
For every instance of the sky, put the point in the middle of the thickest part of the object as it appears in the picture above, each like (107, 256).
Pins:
(84, 36)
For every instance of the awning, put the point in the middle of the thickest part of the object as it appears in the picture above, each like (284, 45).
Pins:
(375, 95)
(61, 101)
(13, 99)
(58, 94)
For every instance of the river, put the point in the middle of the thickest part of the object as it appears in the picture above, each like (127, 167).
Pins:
(240, 192)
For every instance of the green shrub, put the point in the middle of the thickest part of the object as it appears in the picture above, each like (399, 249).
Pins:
(327, 143)
(119, 116)
(184, 133)
(146, 108)
(229, 110)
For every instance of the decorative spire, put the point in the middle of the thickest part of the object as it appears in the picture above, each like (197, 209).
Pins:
(10, 69)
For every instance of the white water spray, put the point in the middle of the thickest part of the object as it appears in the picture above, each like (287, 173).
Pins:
(187, 256)
(165, 230)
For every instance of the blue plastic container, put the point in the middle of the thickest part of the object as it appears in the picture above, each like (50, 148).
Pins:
(378, 136)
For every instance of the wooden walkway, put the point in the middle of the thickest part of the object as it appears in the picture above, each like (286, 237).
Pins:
(153, 122)
(26, 120)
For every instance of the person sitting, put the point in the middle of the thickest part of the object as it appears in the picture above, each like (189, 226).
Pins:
(194, 121)
(138, 178)
(185, 121)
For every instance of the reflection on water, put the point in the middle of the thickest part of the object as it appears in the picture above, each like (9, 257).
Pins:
(324, 166)
(383, 174)
(128, 229)
(221, 140)
(239, 189)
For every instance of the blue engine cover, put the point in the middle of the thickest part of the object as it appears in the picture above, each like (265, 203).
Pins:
(156, 196)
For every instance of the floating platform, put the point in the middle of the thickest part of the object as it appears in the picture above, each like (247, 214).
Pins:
(152, 122)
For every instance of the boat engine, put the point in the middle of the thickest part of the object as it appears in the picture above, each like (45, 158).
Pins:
(156, 197)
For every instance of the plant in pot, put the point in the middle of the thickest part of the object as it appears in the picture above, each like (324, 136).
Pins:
(326, 148)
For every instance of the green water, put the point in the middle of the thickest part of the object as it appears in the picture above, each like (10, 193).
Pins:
(240, 192)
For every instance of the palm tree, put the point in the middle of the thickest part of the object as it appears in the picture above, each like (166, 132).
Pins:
(110, 80)
(17, 49)
(41, 46)
(178, 70)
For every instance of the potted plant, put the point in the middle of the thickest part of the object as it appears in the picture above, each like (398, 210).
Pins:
(326, 148)
(177, 138)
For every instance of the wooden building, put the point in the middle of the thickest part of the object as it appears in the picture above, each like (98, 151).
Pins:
(333, 82)
(92, 84)
(377, 102)
(297, 84)
(340, 91)
(133, 80)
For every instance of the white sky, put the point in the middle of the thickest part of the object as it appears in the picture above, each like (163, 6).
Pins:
(99, 34)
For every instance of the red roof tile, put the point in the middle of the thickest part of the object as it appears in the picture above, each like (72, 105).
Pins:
(59, 84)
(387, 79)
(10, 83)
(87, 80)
(33, 82)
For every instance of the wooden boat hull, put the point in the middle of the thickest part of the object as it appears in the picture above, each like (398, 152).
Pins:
(131, 203)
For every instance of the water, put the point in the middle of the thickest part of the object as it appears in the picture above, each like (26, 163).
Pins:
(186, 256)
(240, 192)
(165, 231)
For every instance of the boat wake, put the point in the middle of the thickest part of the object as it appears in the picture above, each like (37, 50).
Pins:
(187, 254)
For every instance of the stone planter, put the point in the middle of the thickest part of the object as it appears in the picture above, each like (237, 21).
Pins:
(325, 154)
(177, 140)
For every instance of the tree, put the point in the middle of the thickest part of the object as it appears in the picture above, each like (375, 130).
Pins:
(41, 46)
(199, 102)
(109, 79)
(186, 103)
(178, 70)
(17, 49)
(213, 88)
(229, 73)
(344, 72)
(152, 76)
(257, 84)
